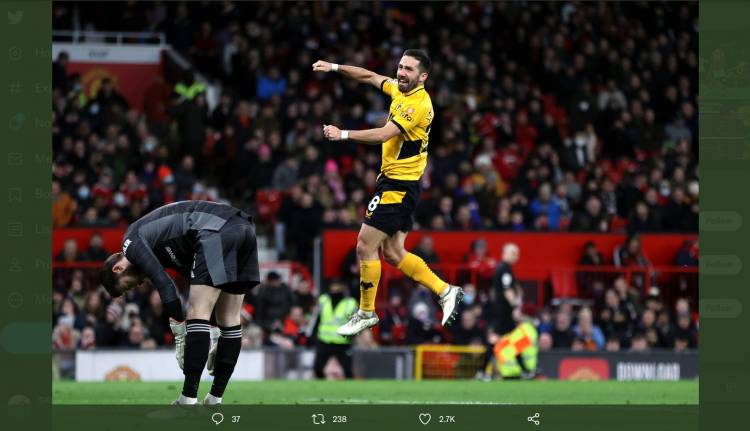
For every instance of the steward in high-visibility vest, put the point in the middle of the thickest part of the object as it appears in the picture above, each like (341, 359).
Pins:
(331, 318)
(334, 309)
(189, 91)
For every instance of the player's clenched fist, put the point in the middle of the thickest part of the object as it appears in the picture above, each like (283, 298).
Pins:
(332, 133)
(321, 66)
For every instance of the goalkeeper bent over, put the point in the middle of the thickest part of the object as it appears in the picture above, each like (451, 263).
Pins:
(214, 246)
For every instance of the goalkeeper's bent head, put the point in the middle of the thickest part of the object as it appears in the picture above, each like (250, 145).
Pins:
(118, 275)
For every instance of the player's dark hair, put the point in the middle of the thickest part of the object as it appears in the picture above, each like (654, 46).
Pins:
(425, 64)
(108, 278)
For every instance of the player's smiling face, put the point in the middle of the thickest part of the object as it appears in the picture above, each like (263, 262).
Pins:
(409, 75)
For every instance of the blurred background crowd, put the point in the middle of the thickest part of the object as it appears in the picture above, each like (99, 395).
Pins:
(623, 312)
(562, 116)
(620, 318)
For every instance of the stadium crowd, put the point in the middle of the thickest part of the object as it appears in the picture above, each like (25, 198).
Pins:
(561, 116)
(619, 313)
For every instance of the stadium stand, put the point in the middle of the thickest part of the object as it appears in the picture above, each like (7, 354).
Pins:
(555, 117)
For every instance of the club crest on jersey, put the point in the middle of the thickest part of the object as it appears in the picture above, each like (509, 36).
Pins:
(410, 110)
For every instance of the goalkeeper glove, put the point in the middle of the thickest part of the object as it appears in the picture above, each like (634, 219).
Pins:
(179, 330)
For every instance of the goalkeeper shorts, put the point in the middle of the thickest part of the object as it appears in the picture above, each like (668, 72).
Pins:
(227, 259)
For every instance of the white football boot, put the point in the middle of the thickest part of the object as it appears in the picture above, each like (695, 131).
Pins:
(185, 401)
(449, 302)
(358, 323)
(211, 400)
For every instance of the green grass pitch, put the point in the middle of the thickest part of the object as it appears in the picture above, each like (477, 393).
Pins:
(388, 392)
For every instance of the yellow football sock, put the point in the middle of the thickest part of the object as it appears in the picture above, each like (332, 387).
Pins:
(414, 267)
(369, 276)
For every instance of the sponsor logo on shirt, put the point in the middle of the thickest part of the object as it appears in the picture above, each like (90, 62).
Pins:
(172, 256)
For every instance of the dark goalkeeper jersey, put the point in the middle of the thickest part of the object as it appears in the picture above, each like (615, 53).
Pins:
(167, 238)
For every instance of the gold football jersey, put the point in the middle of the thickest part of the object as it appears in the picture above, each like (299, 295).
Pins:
(405, 155)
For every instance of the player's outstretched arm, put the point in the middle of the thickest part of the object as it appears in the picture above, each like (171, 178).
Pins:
(360, 74)
(369, 136)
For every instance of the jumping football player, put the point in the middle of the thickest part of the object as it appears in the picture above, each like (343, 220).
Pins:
(214, 245)
(388, 218)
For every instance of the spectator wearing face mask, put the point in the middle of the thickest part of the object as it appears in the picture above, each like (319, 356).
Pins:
(470, 296)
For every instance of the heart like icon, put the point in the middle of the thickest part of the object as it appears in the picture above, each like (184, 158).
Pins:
(425, 418)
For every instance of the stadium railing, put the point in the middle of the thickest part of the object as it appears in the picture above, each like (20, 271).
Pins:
(291, 272)
(588, 281)
(110, 37)
(542, 284)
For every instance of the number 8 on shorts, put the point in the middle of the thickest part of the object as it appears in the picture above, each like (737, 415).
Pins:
(373, 203)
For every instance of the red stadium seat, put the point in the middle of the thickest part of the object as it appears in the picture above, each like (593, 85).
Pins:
(564, 284)
(268, 202)
(618, 224)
